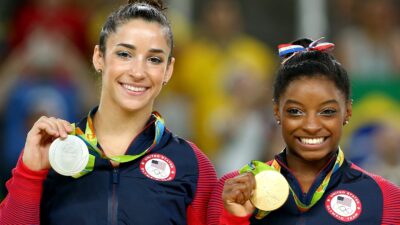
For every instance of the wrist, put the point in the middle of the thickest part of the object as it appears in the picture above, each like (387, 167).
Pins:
(238, 210)
(234, 219)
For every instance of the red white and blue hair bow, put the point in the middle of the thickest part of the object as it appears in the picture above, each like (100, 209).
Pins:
(316, 45)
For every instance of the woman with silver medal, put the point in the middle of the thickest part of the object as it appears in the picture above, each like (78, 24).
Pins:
(120, 164)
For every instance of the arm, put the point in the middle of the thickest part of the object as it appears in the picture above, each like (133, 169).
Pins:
(197, 210)
(217, 209)
(22, 204)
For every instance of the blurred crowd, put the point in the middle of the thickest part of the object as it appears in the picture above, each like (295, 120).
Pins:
(220, 93)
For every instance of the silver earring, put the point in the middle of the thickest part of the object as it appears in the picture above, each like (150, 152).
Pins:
(345, 122)
(164, 83)
(99, 71)
(278, 122)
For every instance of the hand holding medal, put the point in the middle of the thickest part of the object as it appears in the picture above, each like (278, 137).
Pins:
(43, 132)
(259, 186)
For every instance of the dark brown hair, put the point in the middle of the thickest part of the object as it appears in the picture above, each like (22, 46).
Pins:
(148, 10)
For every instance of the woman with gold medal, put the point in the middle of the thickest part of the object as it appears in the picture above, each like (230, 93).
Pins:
(310, 181)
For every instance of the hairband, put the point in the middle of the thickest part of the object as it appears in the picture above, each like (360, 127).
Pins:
(316, 45)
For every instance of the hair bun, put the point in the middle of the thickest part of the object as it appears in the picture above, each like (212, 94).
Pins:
(305, 42)
(158, 4)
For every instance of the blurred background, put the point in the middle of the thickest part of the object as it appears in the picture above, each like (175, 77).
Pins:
(220, 94)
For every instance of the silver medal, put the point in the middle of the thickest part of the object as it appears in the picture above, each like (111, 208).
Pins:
(69, 156)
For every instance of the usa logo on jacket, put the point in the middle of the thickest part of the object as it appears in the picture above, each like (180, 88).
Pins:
(343, 205)
(158, 167)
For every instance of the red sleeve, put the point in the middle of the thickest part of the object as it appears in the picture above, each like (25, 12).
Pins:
(391, 199)
(216, 212)
(229, 219)
(197, 210)
(22, 204)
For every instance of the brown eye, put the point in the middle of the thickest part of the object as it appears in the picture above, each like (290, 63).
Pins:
(328, 112)
(123, 54)
(155, 60)
(294, 112)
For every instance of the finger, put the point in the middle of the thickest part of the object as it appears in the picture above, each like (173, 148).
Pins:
(239, 192)
(52, 122)
(43, 124)
(245, 190)
(239, 197)
(67, 125)
(245, 177)
(60, 127)
(251, 181)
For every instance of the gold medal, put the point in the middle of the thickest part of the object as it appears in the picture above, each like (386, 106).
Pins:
(272, 190)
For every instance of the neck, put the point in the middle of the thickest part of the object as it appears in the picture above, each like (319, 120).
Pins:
(306, 171)
(115, 128)
(116, 120)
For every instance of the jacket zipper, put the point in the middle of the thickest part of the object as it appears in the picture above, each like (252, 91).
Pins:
(113, 198)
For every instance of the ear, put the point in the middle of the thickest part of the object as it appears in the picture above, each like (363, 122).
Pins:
(349, 111)
(98, 59)
(170, 70)
(277, 114)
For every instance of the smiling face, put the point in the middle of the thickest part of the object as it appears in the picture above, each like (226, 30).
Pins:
(135, 65)
(312, 111)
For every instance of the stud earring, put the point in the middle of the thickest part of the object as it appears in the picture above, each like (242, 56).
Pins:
(164, 83)
(99, 71)
(345, 122)
(278, 122)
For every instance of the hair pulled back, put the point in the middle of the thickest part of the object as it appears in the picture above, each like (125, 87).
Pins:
(310, 63)
(148, 10)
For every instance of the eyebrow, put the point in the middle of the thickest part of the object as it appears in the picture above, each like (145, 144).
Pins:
(152, 50)
(291, 101)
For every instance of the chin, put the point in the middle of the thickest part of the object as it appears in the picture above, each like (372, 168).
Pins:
(134, 104)
(316, 156)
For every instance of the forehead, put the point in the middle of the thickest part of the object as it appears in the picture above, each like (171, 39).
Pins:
(137, 31)
(312, 89)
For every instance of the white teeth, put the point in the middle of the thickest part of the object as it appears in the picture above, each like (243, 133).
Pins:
(312, 141)
(133, 88)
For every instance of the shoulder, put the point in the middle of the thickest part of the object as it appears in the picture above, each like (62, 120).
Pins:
(207, 178)
(391, 197)
(205, 166)
(383, 184)
(190, 148)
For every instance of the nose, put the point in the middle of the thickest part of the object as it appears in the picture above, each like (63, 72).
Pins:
(311, 124)
(138, 68)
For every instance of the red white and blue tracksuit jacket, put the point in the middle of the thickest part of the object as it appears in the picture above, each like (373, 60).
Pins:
(133, 193)
(352, 197)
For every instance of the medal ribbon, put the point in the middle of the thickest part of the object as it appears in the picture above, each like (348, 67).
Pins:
(257, 166)
(89, 137)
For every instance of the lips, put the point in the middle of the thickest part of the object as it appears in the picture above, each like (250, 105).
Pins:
(133, 88)
(312, 141)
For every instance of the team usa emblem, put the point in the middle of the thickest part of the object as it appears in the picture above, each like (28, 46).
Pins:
(343, 205)
(158, 167)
